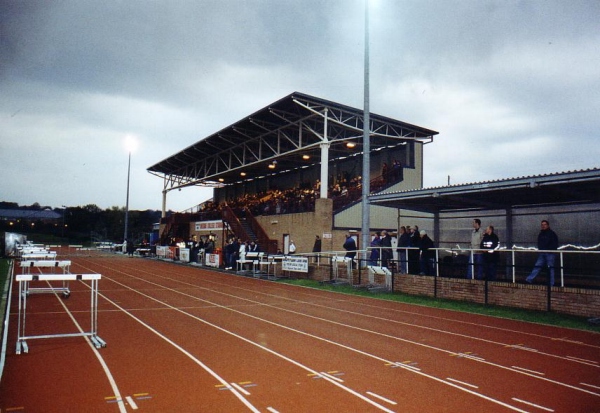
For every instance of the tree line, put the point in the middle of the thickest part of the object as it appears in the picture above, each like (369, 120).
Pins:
(80, 224)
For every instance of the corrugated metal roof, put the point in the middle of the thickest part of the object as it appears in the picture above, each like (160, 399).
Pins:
(288, 132)
(28, 214)
(548, 189)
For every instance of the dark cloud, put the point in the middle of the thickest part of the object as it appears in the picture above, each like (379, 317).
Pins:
(510, 86)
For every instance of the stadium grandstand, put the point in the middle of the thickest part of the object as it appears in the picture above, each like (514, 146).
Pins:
(292, 171)
(298, 155)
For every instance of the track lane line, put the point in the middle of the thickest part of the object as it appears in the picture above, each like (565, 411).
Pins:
(477, 394)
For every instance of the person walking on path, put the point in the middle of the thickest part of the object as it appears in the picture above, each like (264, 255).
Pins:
(547, 241)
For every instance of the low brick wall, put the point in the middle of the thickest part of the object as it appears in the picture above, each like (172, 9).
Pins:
(573, 301)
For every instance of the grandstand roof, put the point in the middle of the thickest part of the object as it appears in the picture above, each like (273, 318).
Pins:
(28, 214)
(563, 188)
(285, 132)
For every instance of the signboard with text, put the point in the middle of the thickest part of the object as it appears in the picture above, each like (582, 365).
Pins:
(209, 225)
(296, 264)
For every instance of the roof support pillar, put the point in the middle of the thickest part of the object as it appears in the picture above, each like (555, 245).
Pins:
(164, 204)
(324, 160)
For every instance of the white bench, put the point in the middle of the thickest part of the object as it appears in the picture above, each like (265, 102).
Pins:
(250, 258)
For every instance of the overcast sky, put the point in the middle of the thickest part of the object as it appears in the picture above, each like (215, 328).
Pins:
(512, 87)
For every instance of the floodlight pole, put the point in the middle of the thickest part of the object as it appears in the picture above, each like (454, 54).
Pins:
(366, 172)
(125, 236)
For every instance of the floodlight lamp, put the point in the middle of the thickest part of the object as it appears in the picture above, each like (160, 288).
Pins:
(350, 145)
(131, 143)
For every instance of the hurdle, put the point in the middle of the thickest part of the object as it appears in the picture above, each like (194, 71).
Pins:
(48, 255)
(383, 272)
(25, 279)
(27, 266)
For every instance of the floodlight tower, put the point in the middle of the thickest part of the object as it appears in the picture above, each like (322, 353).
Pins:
(366, 172)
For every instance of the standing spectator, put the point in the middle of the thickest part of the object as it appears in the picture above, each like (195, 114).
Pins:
(317, 247)
(130, 247)
(413, 254)
(350, 247)
(292, 247)
(242, 250)
(427, 255)
(386, 248)
(547, 241)
(253, 247)
(375, 244)
(228, 252)
(384, 172)
(397, 170)
(476, 256)
(490, 243)
(403, 241)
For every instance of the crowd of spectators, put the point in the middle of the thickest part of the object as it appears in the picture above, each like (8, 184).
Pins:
(345, 189)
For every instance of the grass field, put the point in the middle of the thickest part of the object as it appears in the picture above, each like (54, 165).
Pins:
(541, 317)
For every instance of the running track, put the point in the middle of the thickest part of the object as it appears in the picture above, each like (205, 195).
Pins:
(185, 339)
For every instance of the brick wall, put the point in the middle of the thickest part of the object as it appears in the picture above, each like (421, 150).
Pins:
(573, 301)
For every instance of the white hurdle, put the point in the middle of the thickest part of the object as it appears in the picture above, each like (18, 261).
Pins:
(27, 266)
(25, 279)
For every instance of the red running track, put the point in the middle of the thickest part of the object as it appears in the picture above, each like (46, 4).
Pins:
(185, 339)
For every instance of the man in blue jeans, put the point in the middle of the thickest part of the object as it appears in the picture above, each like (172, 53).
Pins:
(548, 241)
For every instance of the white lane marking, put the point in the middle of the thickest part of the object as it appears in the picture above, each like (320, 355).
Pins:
(582, 360)
(272, 410)
(590, 385)
(349, 390)
(184, 351)
(528, 371)
(533, 404)
(462, 382)
(382, 398)
(109, 376)
(131, 402)
(332, 377)
(241, 389)
(243, 399)
(326, 340)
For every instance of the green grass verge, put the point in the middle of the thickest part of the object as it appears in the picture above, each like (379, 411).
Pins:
(3, 274)
(540, 317)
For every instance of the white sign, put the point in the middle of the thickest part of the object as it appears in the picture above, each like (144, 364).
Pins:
(212, 260)
(296, 264)
(209, 225)
(184, 254)
(161, 251)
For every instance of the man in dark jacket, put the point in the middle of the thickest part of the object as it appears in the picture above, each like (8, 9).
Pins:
(547, 241)
(427, 255)
(489, 243)
(386, 250)
(403, 241)
(350, 247)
